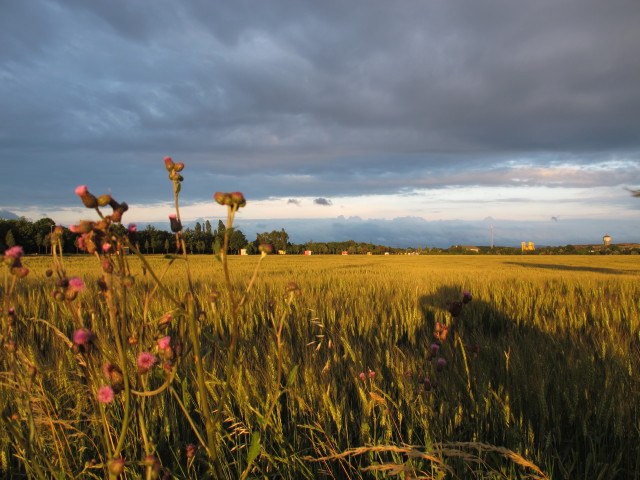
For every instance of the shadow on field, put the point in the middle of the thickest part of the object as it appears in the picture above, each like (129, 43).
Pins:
(573, 268)
(531, 384)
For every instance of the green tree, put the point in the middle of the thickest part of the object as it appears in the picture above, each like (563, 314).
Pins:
(9, 239)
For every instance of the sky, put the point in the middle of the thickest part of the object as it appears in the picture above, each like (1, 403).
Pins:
(406, 123)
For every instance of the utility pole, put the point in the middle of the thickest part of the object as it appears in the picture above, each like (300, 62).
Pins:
(491, 227)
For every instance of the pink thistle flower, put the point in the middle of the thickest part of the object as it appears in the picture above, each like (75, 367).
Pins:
(371, 374)
(81, 190)
(441, 364)
(164, 343)
(145, 361)
(106, 394)
(82, 336)
(362, 376)
(176, 225)
(14, 252)
(74, 228)
(466, 296)
(76, 284)
(434, 349)
(132, 228)
(106, 247)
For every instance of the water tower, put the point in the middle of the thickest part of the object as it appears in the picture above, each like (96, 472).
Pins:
(606, 239)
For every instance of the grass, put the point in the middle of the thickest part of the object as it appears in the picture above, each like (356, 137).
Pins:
(541, 374)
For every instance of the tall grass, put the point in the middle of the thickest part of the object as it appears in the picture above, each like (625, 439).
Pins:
(325, 369)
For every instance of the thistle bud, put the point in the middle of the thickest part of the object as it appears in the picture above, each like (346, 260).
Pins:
(103, 200)
(168, 164)
(179, 166)
(455, 308)
(20, 272)
(222, 198)
(176, 225)
(466, 297)
(87, 198)
(115, 466)
(237, 198)
(265, 248)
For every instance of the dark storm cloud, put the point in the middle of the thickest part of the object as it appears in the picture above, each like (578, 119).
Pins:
(322, 201)
(357, 97)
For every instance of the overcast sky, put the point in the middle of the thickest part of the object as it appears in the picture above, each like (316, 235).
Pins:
(412, 122)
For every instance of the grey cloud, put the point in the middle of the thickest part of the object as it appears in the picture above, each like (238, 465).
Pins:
(361, 96)
(322, 201)
(293, 201)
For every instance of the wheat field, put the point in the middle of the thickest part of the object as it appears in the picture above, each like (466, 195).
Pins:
(332, 376)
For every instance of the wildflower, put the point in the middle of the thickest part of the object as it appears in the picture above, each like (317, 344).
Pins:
(426, 382)
(145, 361)
(455, 308)
(222, 198)
(237, 199)
(106, 394)
(164, 321)
(168, 164)
(15, 253)
(293, 289)
(11, 316)
(164, 343)
(176, 225)
(191, 450)
(153, 464)
(265, 248)
(441, 364)
(114, 375)
(82, 336)
(466, 297)
(115, 466)
(75, 284)
(371, 374)
(106, 247)
(434, 349)
(87, 198)
(362, 376)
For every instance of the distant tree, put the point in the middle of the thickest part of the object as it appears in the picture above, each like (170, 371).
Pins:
(9, 239)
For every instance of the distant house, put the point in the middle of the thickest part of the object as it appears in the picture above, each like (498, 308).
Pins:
(308, 252)
(282, 252)
(344, 252)
(470, 248)
(243, 251)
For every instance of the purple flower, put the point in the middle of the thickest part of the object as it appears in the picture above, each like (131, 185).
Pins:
(435, 348)
(14, 252)
(164, 343)
(106, 394)
(76, 284)
(82, 336)
(145, 361)
(441, 364)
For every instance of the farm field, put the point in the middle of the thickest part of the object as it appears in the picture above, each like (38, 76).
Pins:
(349, 372)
